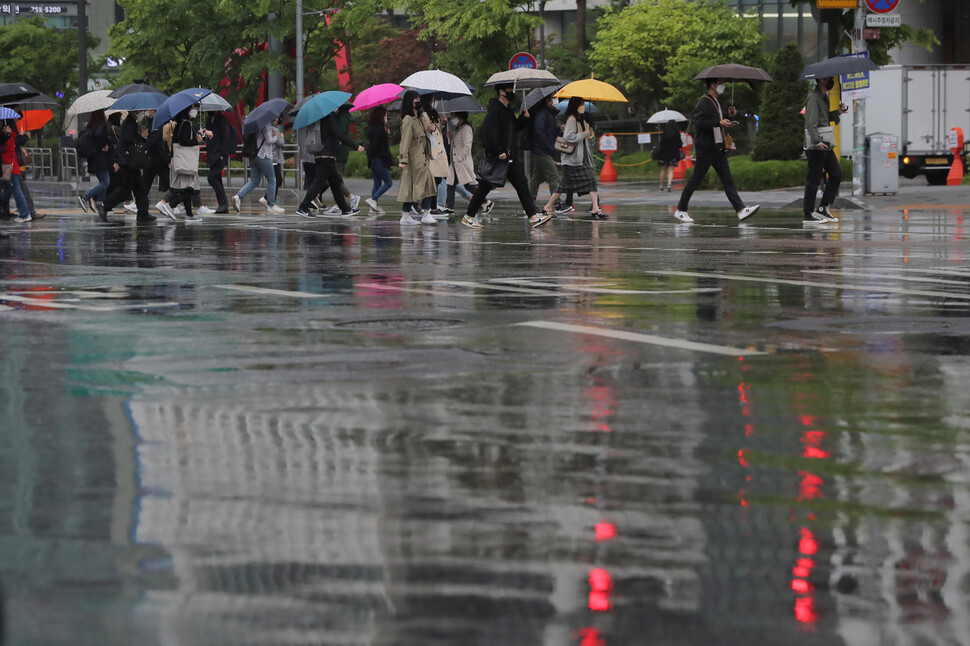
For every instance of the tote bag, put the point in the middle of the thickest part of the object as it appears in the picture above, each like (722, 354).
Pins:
(185, 159)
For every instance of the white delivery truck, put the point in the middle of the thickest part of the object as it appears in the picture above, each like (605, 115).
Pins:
(919, 104)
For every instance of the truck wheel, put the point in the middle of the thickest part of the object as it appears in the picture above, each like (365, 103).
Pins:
(937, 178)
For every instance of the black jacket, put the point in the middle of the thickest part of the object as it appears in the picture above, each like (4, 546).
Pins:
(101, 162)
(223, 142)
(129, 135)
(379, 145)
(331, 137)
(705, 121)
(499, 130)
(544, 129)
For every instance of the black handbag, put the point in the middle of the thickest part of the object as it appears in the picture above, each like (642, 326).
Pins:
(138, 157)
(492, 170)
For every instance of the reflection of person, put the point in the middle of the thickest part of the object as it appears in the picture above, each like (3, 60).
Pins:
(710, 125)
(821, 157)
(669, 153)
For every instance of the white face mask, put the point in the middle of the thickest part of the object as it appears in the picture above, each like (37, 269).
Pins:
(581, 109)
(193, 113)
(719, 88)
(455, 121)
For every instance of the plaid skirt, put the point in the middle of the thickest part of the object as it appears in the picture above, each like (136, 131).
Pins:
(577, 179)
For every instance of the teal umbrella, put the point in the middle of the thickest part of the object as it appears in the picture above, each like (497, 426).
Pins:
(319, 106)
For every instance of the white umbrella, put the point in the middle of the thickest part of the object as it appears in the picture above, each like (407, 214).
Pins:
(523, 78)
(213, 103)
(666, 115)
(95, 100)
(436, 81)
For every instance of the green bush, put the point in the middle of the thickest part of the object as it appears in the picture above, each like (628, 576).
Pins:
(750, 175)
(780, 135)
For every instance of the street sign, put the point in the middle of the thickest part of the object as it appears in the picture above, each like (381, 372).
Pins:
(608, 143)
(870, 34)
(837, 4)
(523, 59)
(855, 86)
(883, 20)
(882, 6)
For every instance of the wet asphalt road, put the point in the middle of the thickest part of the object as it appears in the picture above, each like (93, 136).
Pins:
(268, 430)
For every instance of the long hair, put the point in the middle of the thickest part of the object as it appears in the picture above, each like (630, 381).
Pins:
(671, 131)
(572, 110)
(407, 104)
(377, 116)
(97, 117)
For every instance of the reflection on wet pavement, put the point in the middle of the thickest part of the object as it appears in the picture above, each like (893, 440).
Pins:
(289, 432)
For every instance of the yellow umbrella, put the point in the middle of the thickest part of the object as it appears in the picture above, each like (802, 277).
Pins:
(591, 90)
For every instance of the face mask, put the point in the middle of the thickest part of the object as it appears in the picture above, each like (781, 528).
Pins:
(719, 89)
(581, 109)
(455, 121)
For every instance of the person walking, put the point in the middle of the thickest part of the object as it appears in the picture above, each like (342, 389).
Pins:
(183, 179)
(499, 137)
(100, 163)
(819, 137)
(344, 119)
(669, 153)
(24, 159)
(278, 161)
(710, 125)
(379, 158)
(261, 166)
(325, 168)
(461, 171)
(578, 172)
(417, 183)
(218, 150)
(130, 180)
(11, 170)
(438, 163)
(542, 164)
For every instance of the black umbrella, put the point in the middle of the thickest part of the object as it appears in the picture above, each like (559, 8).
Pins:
(133, 88)
(837, 66)
(264, 114)
(538, 95)
(458, 104)
(39, 102)
(16, 92)
(734, 72)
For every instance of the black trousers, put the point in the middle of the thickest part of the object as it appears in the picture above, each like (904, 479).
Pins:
(214, 177)
(515, 177)
(325, 174)
(706, 159)
(130, 181)
(819, 161)
(161, 172)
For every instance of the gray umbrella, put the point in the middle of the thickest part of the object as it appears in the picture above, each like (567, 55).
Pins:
(458, 104)
(837, 66)
(538, 95)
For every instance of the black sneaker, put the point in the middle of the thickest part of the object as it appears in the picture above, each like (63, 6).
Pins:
(84, 204)
(813, 218)
(487, 207)
(349, 213)
(102, 212)
(824, 213)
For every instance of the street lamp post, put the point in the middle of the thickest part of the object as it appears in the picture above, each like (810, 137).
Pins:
(299, 50)
(859, 163)
(82, 46)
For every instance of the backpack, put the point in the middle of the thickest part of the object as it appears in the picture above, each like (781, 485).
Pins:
(86, 146)
(250, 146)
(314, 140)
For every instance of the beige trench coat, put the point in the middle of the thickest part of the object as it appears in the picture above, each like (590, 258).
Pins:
(462, 164)
(416, 180)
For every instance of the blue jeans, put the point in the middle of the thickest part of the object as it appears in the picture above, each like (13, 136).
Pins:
(18, 196)
(259, 168)
(382, 178)
(423, 205)
(100, 189)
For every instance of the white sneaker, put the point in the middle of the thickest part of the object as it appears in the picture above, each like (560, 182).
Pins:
(131, 206)
(165, 209)
(747, 212)
(179, 210)
(407, 219)
(428, 219)
(315, 203)
(333, 210)
(236, 203)
(193, 220)
(276, 208)
(682, 216)
(372, 203)
(263, 201)
(205, 210)
(354, 202)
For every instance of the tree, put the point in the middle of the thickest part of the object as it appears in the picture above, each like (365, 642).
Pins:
(780, 133)
(43, 56)
(655, 47)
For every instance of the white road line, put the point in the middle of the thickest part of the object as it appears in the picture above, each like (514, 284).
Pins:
(60, 305)
(4, 308)
(808, 283)
(497, 288)
(877, 275)
(460, 294)
(600, 288)
(638, 337)
(270, 292)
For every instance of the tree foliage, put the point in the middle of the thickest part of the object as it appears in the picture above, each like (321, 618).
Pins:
(654, 48)
(780, 134)
(43, 56)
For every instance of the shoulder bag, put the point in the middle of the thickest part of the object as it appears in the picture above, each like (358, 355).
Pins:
(185, 159)
(564, 146)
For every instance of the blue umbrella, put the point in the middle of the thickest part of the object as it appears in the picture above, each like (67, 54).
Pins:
(139, 101)
(176, 103)
(7, 113)
(319, 106)
(590, 108)
(264, 113)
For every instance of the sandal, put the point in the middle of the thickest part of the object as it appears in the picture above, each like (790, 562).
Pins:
(598, 215)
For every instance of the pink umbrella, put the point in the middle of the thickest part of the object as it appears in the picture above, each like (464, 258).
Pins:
(376, 95)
